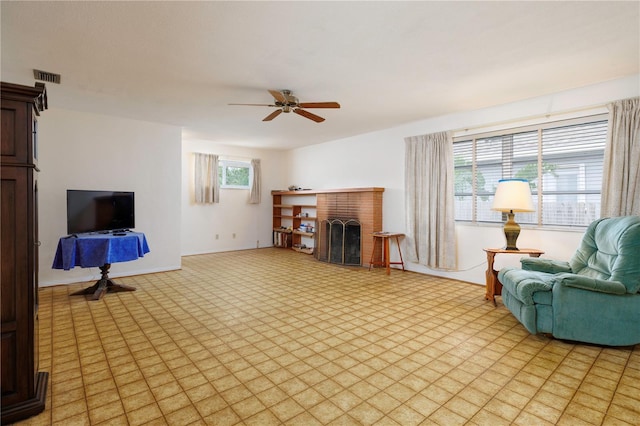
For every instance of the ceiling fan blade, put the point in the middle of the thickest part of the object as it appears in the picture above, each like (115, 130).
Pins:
(269, 105)
(273, 115)
(319, 105)
(307, 114)
(278, 96)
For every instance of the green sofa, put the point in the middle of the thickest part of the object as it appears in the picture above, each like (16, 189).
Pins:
(594, 297)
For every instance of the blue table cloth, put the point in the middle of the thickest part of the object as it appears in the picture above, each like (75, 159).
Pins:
(94, 250)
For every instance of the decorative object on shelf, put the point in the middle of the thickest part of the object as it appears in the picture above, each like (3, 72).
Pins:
(512, 196)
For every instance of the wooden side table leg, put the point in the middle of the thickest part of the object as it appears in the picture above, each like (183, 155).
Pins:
(497, 286)
(400, 253)
(373, 251)
(490, 278)
(386, 255)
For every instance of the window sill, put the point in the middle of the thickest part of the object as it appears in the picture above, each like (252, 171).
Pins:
(553, 228)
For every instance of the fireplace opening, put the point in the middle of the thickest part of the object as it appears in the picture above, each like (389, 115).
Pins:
(339, 241)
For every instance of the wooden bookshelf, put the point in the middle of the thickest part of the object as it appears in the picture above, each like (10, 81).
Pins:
(294, 224)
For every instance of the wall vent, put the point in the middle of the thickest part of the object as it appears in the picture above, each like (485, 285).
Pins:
(46, 76)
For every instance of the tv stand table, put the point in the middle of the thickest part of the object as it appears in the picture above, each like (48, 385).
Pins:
(100, 250)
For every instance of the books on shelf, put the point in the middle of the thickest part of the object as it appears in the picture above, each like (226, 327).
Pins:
(282, 237)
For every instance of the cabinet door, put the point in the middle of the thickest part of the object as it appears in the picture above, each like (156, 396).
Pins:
(35, 252)
(17, 334)
(13, 148)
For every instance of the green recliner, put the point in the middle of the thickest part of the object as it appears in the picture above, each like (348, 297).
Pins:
(592, 298)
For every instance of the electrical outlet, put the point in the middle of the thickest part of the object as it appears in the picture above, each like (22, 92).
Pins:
(217, 237)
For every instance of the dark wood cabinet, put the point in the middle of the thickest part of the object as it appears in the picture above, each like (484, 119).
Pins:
(22, 385)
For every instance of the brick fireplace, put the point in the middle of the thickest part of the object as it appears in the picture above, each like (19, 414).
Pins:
(361, 205)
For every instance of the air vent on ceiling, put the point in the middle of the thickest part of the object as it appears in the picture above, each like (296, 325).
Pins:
(46, 76)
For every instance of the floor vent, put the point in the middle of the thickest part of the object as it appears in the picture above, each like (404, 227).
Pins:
(46, 76)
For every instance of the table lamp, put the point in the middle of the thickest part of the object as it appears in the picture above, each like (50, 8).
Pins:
(512, 195)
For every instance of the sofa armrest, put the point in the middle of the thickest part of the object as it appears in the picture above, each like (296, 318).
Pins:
(591, 284)
(544, 265)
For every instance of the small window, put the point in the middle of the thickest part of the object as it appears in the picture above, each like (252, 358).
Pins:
(234, 174)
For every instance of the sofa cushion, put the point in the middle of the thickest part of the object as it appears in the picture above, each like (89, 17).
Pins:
(591, 284)
(544, 265)
(543, 297)
(523, 284)
(609, 251)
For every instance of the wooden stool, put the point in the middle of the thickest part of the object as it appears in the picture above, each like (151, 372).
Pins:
(385, 236)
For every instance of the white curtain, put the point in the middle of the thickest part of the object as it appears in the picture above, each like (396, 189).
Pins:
(429, 179)
(621, 174)
(256, 187)
(207, 187)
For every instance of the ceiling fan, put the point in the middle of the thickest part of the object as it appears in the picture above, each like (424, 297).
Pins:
(286, 102)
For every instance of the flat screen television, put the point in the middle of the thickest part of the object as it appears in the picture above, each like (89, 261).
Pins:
(95, 211)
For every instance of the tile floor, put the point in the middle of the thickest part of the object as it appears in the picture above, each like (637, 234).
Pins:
(270, 336)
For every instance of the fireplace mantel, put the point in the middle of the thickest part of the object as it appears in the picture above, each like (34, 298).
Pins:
(326, 191)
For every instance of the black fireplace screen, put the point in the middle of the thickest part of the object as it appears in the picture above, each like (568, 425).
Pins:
(339, 242)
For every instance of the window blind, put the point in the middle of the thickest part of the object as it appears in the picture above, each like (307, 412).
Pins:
(562, 162)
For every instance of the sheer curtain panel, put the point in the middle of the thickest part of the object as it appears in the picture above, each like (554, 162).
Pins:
(256, 187)
(429, 185)
(207, 186)
(621, 175)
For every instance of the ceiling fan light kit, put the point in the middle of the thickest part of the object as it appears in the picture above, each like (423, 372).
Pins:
(286, 102)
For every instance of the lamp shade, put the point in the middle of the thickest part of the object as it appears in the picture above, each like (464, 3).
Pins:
(513, 195)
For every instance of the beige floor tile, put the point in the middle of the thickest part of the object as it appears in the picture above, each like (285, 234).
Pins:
(106, 412)
(69, 396)
(405, 415)
(365, 413)
(287, 409)
(303, 419)
(144, 414)
(139, 400)
(183, 416)
(174, 403)
(68, 410)
(210, 405)
(108, 397)
(248, 407)
(443, 416)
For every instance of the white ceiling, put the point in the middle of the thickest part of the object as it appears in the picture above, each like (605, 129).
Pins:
(386, 63)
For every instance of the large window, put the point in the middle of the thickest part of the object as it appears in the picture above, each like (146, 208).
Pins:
(234, 174)
(561, 161)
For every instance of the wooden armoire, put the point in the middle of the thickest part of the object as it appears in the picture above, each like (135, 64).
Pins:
(23, 387)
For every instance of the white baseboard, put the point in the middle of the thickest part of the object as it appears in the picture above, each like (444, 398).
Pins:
(93, 277)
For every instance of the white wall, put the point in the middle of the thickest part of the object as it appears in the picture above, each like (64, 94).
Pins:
(78, 150)
(251, 223)
(380, 162)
